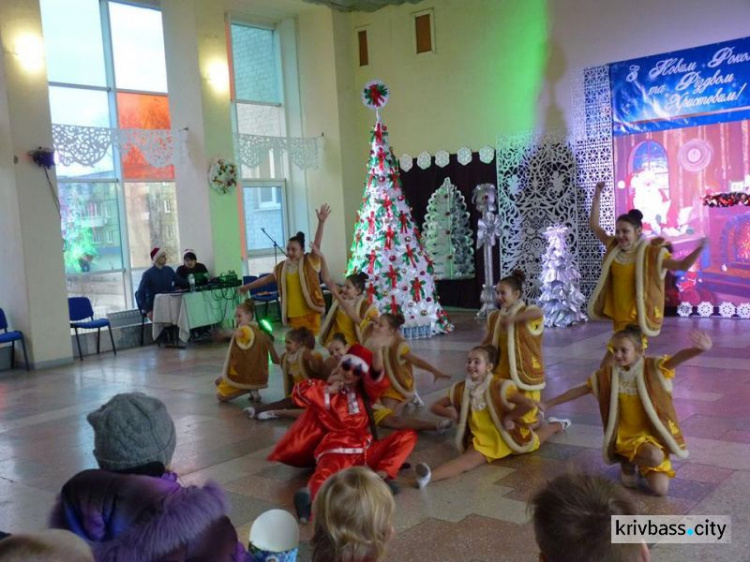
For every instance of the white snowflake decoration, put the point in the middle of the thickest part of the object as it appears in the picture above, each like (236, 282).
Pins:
(424, 160)
(743, 310)
(406, 162)
(705, 309)
(442, 158)
(486, 154)
(727, 309)
(464, 155)
(685, 309)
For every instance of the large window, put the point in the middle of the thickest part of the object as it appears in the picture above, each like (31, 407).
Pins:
(106, 68)
(259, 110)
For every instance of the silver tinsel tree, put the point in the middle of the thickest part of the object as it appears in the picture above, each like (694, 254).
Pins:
(447, 235)
(561, 300)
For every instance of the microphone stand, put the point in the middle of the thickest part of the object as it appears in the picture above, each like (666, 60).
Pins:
(276, 247)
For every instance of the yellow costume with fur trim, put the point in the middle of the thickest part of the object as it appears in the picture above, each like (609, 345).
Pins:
(631, 287)
(481, 410)
(302, 302)
(401, 375)
(337, 320)
(295, 368)
(636, 408)
(246, 363)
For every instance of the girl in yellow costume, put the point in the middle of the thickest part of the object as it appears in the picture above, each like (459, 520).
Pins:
(245, 368)
(297, 278)
(631, 287)
(516, 331)
(490, 413)
(399, 361)
(635, 402)
(299, 363)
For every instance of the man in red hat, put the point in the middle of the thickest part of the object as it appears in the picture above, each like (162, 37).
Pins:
(337, 429)
(159, 278)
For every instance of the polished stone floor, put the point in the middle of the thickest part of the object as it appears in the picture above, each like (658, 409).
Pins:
(482, 516)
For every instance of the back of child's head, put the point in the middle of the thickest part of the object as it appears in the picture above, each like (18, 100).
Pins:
(353, 514)
(515, 280)
(303, 336)
(490, 352)
(54, 545)
(395, 321)
(359, 280)
(339, 337)
(633, 217)
(248, 307)
(132, 430)
(572, 520)
(633, 333)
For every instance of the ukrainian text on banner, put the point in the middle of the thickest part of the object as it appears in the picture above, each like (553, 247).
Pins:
(697, 86)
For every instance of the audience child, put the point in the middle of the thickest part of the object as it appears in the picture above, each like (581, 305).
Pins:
(353, 515)
(53, 545)
(133, 507)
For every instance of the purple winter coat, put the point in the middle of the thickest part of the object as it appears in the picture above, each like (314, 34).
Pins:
(134, 518)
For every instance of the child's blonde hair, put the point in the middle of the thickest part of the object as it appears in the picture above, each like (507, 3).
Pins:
(248, 307)
(633, 333)
(54, 545)
(353, 514)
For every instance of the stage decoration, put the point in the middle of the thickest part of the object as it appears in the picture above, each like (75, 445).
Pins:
(464, 155)
(685, 309)
(424, 160)
(486, 154)
(447, 234)
(730, 199)
(695, 155)
(561, 300)
(222, 175)
(303, 152)
(388, 247)
(375, 95)
(484, 198)
(727, 309)
(536, 176)
(705, 309)
(442, 158)
(406, 162)
(77, 144)
(743, 310)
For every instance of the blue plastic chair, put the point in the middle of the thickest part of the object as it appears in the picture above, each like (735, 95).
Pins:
(12, 338)
(266, 294)
(80, 309)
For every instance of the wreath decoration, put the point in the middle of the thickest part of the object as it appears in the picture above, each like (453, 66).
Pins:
(375, 94)
(222, 175)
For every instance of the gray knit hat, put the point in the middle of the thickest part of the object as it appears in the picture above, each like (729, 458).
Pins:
(132, 430)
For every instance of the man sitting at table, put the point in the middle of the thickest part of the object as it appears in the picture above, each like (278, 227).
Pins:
(159, 278)
(191, 266)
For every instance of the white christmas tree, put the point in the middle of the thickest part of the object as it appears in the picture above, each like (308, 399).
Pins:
(387, 244)
(447, 235)
(561, 299)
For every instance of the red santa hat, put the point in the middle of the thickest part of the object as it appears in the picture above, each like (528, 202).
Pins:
(156, 253)
(358, 356)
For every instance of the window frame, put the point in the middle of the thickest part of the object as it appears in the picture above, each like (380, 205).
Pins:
(257, 184)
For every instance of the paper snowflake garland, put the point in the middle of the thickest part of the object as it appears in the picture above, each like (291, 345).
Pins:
(685, 309)
(486, 154)
(442, 158)
(375, 94)
(406, 162)
(424, 160)
(705, 309)
(727, 309)
(464, 155)
(743, 310)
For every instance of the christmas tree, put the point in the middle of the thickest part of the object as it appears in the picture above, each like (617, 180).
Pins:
(562, 301)
(447, 234)
(387, 244)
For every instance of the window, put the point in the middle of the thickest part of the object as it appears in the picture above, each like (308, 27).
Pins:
(364, 56)
(111, 211)
(424, 32)
(265, 223)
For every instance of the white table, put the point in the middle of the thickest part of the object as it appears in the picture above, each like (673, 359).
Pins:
(193, 310)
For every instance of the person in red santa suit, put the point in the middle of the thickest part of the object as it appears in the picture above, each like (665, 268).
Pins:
(337, 429)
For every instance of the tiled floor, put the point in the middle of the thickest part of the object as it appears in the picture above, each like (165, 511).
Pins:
(482, 516)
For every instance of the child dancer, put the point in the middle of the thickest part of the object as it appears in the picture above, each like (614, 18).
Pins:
(491, 414)
(302, 302)
(353, 514)
(635, 401)
(245, 369)
(298, 363)
(339, 428)
(337, 348)
(398, 361)
(351, 313)
(631, 287)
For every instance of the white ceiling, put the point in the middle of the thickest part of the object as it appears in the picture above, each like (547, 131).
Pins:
(359, 5)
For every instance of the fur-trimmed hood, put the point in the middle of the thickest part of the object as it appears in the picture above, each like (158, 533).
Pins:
(135, 518)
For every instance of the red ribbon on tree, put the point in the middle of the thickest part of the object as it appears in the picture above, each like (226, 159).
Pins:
(387, 204)
(404, 220)
(373, 259)
(409, 256)
(394, 305)
(393, 276)
(417, 289)
(371, 223)
(389, 235)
